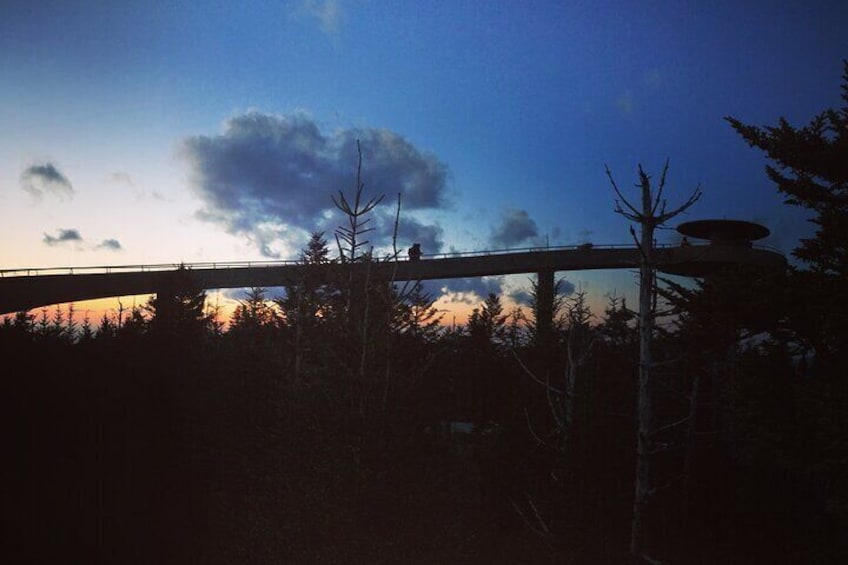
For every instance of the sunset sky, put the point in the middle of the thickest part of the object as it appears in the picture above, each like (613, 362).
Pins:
(167, 132)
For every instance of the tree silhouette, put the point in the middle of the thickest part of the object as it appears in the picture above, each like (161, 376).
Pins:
(486, 324)
(349, 238)
(417, 317)
(650, 214)
(617, 327)
(311, 303)
(253, 316)
(809, 165)
(546, 326)
(177, 311)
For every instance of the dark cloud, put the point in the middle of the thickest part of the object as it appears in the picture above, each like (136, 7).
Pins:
(412, 231)
(516, 227)
(43, 179)
(471, 290)
(266, 174)
(521, 297)
(110, 244)
(431, 288)
(566, 288)
(241, 294)
(524, 296)
(63, 236)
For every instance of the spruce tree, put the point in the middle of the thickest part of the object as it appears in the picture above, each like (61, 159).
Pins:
(809, 166)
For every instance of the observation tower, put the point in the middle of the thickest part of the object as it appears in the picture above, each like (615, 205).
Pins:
(718, 244)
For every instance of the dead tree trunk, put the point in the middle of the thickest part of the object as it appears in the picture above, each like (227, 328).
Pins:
(651, 214)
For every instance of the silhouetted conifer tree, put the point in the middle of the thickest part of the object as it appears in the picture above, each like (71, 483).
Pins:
(254, 316)
(809, 165)
(87, 330)
(178, 309)
(24, 322)
(486, 324)
(310, 305)
(617, 327)
(556, 314)
(517, 333)
(417, 318)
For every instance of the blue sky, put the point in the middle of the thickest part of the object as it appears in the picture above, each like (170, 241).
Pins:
(161, 132)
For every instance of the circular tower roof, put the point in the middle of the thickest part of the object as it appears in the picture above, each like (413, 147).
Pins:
(723, 230)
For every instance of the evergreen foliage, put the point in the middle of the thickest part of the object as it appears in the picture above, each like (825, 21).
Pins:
(809, 166)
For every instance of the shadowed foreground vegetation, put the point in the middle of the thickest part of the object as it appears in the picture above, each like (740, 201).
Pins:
(140, 445)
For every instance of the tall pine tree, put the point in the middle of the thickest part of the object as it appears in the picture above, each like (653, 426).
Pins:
(809, 165)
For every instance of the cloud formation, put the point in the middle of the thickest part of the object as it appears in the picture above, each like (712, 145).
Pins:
(521, 296)
(63, 236)
(429, 236)
(516, 227)
(565, 287)
(72, 236)
(46, 178)
(267, 176)
(472, 290)
(110, 245)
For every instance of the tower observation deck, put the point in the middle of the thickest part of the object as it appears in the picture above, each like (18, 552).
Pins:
(712, 234)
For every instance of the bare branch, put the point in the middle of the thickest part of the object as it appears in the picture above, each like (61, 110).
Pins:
(638, 243)
(634, 214)
(660, 190)
(538, 515)
(533, 375)
(395, 230)
(671, 425)
(650, 560)
(551, 404)
(539, 441)
(545, 532)
(693, 198)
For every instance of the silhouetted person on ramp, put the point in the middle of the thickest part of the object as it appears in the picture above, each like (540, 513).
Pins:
(415, 252)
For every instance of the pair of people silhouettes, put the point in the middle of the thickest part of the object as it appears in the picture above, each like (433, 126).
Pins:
(415, 252)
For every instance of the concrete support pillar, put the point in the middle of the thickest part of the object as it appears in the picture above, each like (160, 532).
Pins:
(165, 302)
(544, 307)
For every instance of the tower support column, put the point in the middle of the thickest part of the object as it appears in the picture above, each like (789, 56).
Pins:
(544, 307)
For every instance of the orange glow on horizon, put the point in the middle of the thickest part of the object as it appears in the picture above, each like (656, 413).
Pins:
(453, 311)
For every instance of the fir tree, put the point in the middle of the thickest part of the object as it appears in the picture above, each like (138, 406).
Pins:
(809, 166)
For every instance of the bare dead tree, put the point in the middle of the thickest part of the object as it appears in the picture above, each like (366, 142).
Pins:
(393, 305)
(351, 244)
(561, 398)
(354, 248)
(348, 237)
(579, 345)
(651, 214)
